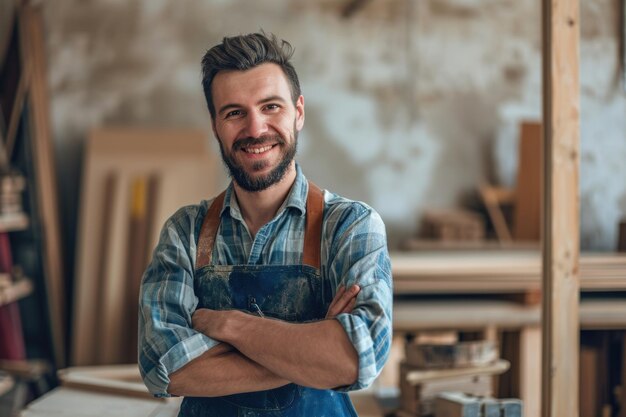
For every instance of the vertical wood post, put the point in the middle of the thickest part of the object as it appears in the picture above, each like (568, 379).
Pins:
(561, 209)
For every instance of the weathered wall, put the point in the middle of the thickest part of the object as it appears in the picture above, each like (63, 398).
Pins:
(409, 104)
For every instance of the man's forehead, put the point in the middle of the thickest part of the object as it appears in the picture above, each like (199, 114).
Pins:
(266, 78)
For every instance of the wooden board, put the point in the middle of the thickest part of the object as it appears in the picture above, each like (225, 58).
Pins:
(495, 272)
(412, 316)
(118, 379)
(72, 402)
(415, 376)
(187, 172)
(527, 217)
(561, 227)
(31, 23)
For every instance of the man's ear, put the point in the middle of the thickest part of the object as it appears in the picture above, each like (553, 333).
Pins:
(300, 113)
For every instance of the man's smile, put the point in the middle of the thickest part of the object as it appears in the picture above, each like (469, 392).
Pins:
(257, 149)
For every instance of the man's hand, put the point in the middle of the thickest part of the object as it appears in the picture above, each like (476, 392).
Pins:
(208, 321)
(344, 301)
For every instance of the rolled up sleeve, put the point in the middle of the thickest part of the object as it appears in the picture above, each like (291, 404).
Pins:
(361, 257)
(167, 301)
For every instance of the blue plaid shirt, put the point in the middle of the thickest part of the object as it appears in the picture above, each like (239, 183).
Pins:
(354, 250)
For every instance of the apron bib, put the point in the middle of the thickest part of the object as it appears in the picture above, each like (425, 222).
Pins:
(293, 293)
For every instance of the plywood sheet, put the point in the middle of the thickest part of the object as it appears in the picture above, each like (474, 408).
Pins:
(186, 172)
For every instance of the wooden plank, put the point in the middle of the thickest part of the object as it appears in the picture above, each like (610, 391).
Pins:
(561, 234)
(419, 376)
(43, 154)
(138, 222)
(112, 317)
(621, 237)
(496, 272)
(413, 316)
(490, 196)
(72, 402)
(589, 404)
(622, 394)
(527, 218)
(119, 379)
(530, 370)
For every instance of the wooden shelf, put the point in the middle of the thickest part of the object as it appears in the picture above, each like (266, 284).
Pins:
(13, 222)
(415, 377)
(409, 316)
(495, 272)
(15, 291)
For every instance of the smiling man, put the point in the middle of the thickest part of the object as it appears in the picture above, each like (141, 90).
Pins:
(274, 298)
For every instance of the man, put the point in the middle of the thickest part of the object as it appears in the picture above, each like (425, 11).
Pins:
(275, 297)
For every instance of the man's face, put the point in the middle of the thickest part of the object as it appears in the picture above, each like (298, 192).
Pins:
(256, 124)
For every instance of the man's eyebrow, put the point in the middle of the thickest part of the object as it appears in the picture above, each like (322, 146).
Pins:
(228, 106)
(272, 98)
(262, 101)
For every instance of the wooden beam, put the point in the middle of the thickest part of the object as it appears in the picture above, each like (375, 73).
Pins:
(560, 341)
(34, 49)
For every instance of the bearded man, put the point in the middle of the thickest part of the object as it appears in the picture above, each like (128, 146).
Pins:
(274, 298)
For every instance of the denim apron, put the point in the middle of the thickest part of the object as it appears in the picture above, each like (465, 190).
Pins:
(294, 293)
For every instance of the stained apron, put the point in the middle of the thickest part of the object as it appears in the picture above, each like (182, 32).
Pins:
(293, 293)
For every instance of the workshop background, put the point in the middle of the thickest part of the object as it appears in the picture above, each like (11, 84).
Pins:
(409, 104)
(414, 107)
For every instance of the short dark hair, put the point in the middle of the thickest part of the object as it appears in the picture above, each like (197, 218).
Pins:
(245, 52)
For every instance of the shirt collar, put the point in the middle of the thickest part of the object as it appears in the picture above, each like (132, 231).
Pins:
(296, 197)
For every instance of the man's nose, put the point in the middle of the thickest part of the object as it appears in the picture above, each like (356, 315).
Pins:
(256, 125)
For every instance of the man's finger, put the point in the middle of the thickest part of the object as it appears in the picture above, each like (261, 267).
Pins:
(350, 306)
(337, 296)
(342, 301)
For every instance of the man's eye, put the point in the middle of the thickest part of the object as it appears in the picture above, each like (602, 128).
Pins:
(233, 113)
(272, 106)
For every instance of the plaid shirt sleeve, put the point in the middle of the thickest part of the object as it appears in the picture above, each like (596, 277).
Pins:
(167, 301)
(358, 255)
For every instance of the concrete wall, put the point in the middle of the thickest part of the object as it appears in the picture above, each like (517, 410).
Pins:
(410, 104)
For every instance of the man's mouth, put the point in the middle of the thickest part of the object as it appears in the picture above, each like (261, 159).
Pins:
(257, 149)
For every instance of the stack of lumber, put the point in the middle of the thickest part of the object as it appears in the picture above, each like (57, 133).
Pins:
(134, 179)
(496, 271)
(432, 369)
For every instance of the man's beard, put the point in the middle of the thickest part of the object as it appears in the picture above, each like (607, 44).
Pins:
(259, 182)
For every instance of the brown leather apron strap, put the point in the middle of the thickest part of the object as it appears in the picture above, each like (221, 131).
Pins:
(208, 232)
(312, 235)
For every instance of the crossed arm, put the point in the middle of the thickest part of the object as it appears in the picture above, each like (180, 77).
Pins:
(258, 353)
